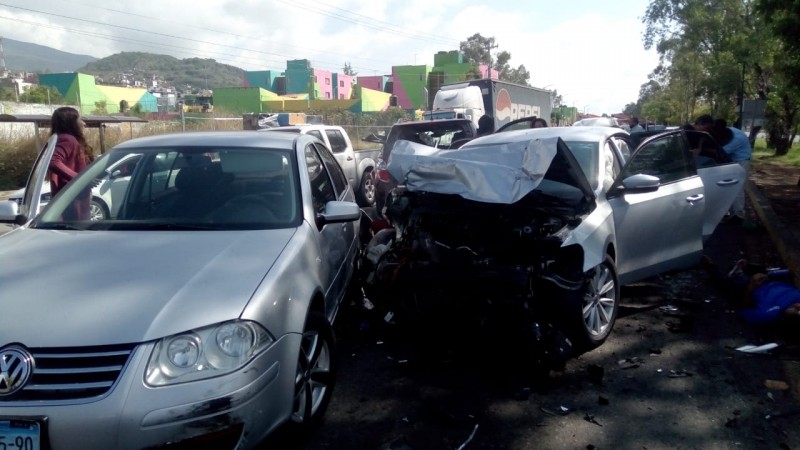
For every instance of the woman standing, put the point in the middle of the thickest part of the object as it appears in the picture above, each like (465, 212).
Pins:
(72, 154)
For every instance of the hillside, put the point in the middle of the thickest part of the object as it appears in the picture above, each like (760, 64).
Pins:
(184, 74)
(26, 57)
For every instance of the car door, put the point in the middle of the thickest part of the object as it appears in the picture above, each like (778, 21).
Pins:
(335, 239)
(722, 179)
(31, 202)
(658, 225)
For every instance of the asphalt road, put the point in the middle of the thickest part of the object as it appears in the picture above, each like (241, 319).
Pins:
(669, 377)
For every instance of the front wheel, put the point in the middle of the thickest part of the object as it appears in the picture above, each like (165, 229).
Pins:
(316, 370)
(98, 210)
(599, 306)
(366, 190)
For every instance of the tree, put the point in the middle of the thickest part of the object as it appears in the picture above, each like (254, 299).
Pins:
(348, 69)
(40, 94)
(477, 50)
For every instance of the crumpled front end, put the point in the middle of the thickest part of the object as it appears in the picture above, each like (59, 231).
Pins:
(489, 267)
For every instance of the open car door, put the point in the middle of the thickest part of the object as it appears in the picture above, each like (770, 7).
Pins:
(658, 203)
(31, 202)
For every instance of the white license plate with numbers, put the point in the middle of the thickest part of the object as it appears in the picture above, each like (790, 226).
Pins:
(19, 435)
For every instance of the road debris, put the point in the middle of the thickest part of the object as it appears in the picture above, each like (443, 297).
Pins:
(590, 418)
(758, 348)
(682, 373)
(776, 384)
(471, 436)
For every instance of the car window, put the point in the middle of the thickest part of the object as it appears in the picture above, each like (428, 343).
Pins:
(586, 154)
(666, 158)
(336, 138)
(322, 190)
(519, 124)
(182, 188)
(316, 134)
(339, 180)
(623, 147)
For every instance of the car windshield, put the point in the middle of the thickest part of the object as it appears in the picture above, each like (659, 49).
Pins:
(586, 152)
(180, 189)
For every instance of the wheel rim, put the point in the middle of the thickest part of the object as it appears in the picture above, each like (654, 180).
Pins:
(96, 212)
(599, 301)
(313, 377)
(368, 188)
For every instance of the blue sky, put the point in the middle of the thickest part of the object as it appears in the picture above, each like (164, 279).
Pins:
(590, 51)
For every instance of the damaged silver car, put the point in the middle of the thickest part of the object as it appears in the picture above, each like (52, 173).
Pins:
(535, 230)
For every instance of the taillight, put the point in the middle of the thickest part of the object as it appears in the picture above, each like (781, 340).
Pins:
(383, 175)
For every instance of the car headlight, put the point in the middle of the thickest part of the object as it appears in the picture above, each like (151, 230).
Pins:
(205, 352)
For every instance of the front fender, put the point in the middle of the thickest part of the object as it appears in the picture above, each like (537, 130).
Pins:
(595, 234)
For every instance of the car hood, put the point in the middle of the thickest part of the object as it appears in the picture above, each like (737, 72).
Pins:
(82, 288)
(494, 172)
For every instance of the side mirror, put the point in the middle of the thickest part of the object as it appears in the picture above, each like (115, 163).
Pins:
(339, 212)
(9, 213)
(640, 183)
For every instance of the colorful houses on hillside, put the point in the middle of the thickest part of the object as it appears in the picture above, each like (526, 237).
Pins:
(298, 88)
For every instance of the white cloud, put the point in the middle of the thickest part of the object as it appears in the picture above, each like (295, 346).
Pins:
(591, 54)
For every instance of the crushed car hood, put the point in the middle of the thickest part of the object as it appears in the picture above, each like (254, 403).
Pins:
(496, 172)
(77, 288)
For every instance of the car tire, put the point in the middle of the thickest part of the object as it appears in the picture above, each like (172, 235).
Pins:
(98, 210)
(366, 190)
(593, 319)
(316, 372)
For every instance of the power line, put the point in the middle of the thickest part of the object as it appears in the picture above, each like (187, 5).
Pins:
(167, 35)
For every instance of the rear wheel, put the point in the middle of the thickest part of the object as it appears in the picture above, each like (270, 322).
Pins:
(366, 190)
(316, 370)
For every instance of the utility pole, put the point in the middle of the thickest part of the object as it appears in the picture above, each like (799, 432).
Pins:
(489, 48)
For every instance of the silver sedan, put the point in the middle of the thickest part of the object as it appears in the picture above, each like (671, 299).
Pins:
(197, 313)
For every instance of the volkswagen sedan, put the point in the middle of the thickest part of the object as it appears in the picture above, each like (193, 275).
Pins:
(538, 228)
(196, 314)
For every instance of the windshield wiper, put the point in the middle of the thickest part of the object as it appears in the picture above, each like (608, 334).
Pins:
(172, 226)
(58, 226)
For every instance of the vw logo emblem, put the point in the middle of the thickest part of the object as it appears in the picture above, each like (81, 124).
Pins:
(16, 366)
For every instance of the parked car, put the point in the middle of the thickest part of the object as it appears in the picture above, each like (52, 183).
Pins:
(357, 165)
(199, 315)
(538, 228)
(106, 194)
(439, 134)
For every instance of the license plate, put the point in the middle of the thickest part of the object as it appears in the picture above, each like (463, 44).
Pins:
(19, 435)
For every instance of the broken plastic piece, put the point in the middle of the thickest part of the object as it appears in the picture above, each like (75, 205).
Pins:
(757, 349)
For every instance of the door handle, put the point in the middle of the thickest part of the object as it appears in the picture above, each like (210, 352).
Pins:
(728, 182)
(694, 198)
(349, 158)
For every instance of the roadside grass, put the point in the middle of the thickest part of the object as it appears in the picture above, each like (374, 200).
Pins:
(763, 155)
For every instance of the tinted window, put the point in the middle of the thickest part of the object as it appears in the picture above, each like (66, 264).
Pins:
(338, 143)
(339, 180)
(666, 158)
(316, 134)
(322, 190)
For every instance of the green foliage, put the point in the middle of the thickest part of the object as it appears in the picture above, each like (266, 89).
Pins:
(348, 69)
(477, 50)
(100, 108)
(189, 74)
(41, 94)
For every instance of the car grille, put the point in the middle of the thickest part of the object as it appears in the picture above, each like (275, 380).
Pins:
(74, 373)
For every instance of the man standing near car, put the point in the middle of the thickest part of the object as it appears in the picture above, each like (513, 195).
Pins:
(736, 144)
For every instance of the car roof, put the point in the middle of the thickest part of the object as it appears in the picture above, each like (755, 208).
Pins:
(565, 133)
(431, 124)
(215, 139)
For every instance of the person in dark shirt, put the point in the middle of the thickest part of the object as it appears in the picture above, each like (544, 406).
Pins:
(71, 155)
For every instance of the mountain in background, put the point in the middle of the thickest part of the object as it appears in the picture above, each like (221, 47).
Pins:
(192, 74)
(26, 57)
(184, 74)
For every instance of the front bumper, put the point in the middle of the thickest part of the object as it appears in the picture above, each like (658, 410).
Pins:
(254, 399)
